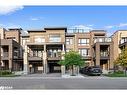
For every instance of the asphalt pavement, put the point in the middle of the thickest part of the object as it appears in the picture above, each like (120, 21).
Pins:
(56, 83)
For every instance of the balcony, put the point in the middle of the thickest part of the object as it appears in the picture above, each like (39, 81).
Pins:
(123, 40)
(34, 55)
(76, 30)
(5, 55)
(104, 54)
(54, 55)
(86, 57)
(16, 54)
(102, 40)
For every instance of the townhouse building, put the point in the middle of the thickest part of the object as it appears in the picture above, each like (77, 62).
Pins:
(122, 42)
(44, 48)
(11, 51)
(40, 50)
(95, 48)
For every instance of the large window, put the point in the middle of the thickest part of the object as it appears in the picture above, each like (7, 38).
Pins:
(84, 52)
(39, 39)
(54, 38)
(83, 42)
(69, 41)
(123, 40)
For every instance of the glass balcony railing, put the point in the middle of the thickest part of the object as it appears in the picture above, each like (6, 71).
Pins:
(5, 54)
(123, 40)
(35, 54)
(53, 54)
(50, 53)
(102, 40)
(104, 54)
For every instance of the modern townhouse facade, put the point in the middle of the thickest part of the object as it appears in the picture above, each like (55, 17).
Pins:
(44, 48)
(11, 53)
(40, 50)
(94, 46)
(119, 38)
(122, 39)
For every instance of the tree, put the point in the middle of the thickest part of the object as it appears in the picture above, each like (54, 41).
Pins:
(122, 59)
(72, 59)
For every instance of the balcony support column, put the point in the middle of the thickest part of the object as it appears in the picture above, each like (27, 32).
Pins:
(45, 47)
(10, 57)
(45, 67)
(111, 65)
(108, 64)
(2, 52)
(97, 50)
(62, 66)
(26, 63)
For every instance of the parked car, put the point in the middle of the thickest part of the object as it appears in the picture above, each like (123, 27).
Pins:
(91, 70)
(83, 70)
(94, 70)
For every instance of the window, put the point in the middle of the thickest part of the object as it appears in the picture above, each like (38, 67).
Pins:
(39, 39)
(69, 41)
(84, 52)
(83, 42)
(123, 40)
(100, 39)
(108, 39)
(54, 38)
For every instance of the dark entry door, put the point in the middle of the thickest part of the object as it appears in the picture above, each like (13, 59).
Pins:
(54, 68)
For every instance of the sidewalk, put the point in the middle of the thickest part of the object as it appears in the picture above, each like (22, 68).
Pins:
(69, 76)
(43, 75)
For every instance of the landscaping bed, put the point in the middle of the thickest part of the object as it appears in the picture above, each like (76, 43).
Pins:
(116, 74)
(6, 73)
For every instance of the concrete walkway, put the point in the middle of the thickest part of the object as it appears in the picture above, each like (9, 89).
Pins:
(43, 75)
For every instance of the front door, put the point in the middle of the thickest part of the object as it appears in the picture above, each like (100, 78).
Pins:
(54, 68)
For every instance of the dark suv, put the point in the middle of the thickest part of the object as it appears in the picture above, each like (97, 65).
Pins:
(91, 70)
(94, 70)
(83, 70)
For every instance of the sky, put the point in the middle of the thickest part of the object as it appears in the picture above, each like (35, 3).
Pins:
(109, 18)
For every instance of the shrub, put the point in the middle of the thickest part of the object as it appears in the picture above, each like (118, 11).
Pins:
(5, 72)
(119, 72)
